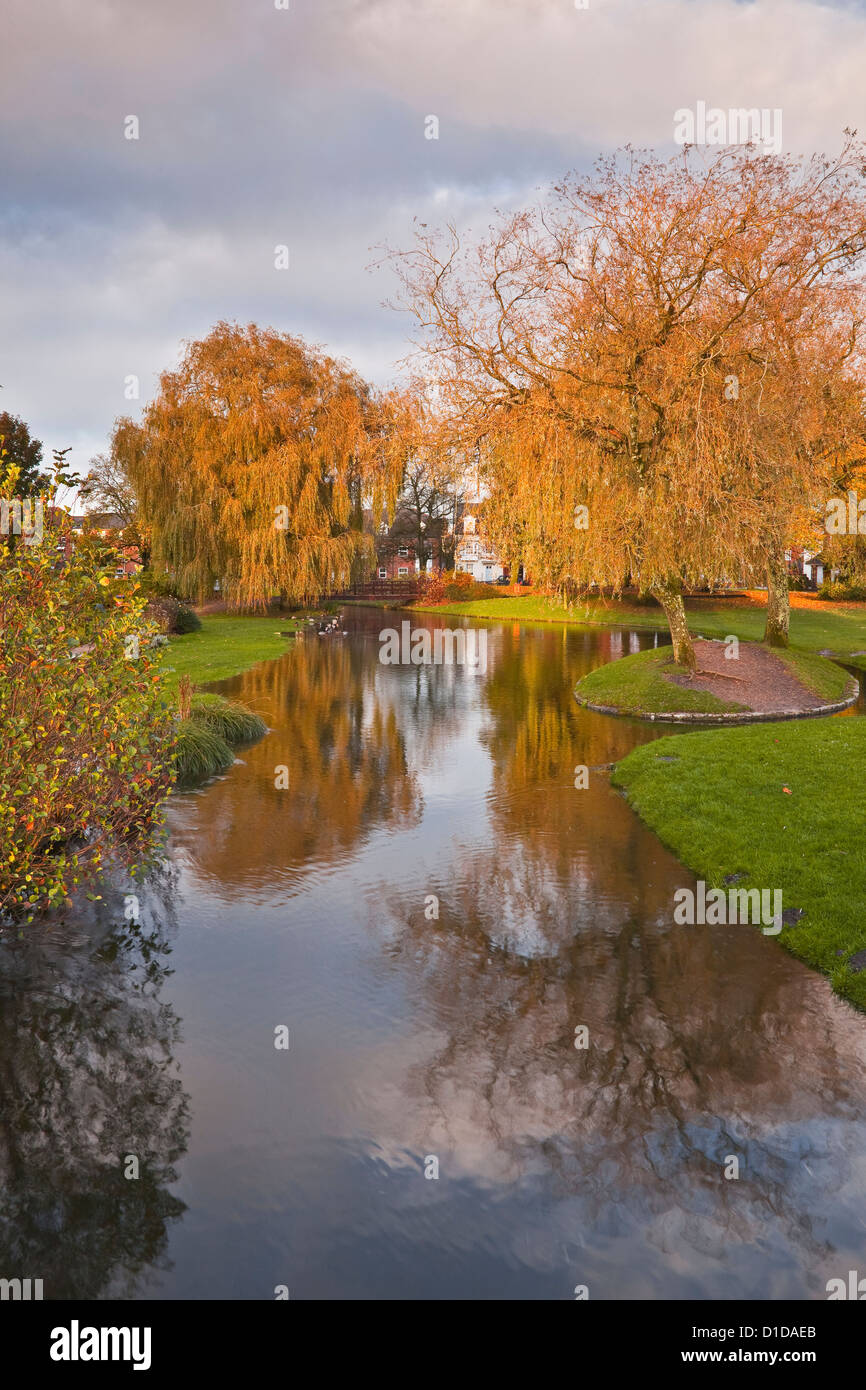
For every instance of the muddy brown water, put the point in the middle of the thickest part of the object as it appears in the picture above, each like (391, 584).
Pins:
(415, 1037)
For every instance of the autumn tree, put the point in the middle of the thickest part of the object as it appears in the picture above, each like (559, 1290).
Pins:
(804, 422)
(108, 485)
(609, 352)
(838, 526)
(255, 460)
(422, 458)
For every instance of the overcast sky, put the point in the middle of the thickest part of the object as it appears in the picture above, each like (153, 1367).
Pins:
(305, 127)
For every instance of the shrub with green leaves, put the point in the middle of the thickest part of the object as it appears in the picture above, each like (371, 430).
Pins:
(170, 615)
(186, 621)
(85, 737)
(846, 591)
(155, 584)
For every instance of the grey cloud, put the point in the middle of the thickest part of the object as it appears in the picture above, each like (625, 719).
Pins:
(305, 127)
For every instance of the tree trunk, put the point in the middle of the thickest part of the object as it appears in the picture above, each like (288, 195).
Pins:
(778, 601)
(669, 595)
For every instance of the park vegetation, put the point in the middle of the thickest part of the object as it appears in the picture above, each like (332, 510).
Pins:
(654, 376)
(209, 729)
(85, 741)
(656, 368)
(252, 465)
(737, 805)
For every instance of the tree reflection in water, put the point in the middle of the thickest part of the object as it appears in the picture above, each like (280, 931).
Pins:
(410, 1036)
(704, 1042)
(339, 739)
(87, 1076)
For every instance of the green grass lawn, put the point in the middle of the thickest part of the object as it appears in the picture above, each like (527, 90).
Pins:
(637, 685)
(722, 808)
(824, 678)
(226, 645)
(841, 630)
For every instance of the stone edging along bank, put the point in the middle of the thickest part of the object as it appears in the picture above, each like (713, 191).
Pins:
(728, 717)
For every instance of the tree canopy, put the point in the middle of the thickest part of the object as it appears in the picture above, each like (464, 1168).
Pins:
(22, 451)
(657, 362)
(253, 465)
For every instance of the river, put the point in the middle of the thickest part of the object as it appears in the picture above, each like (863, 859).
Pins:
(402, 882)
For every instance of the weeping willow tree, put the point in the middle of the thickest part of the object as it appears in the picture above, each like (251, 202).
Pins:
(837, 529)
(806, 419)
(743, 471)
(253, 465)
(579, 510)
(609, 349)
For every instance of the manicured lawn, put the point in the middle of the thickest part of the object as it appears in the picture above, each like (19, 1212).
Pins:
(637, 685)
(841, 629)
(722, 807)
(225, 646)
(822, 677)
(538, 609)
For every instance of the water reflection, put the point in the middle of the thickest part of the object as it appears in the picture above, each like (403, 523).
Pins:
(333, 769)
(454, 1035)
(449, 1032)
(703, 1043)
(87, 1078)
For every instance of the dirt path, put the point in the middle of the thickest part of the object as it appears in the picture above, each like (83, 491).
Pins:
(757, 679)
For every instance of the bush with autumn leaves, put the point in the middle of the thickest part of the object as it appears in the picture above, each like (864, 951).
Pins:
(85, 739)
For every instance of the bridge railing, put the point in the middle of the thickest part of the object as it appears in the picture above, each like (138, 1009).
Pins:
(405, 589)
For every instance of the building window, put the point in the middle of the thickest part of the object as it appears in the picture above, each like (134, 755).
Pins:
(383, 573)
(403, 552)
(402, 569)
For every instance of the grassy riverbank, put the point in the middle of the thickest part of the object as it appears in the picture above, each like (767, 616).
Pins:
(226, 645)
(779, 804)
(207, 737)
(840, 629)
(823, 678)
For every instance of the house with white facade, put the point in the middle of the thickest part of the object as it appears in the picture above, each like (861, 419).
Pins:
(474, 554)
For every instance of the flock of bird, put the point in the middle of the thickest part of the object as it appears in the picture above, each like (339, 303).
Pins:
(331, 629)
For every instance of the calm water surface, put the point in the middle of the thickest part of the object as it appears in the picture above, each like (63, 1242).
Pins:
(414, 1038)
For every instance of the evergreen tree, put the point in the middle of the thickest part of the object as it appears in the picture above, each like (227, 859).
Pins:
(22, 451)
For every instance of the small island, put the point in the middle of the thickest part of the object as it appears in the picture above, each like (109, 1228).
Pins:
(733, 682)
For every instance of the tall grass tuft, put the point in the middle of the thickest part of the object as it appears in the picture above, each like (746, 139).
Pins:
(200, 752)
(232, 722)
(209, 726)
